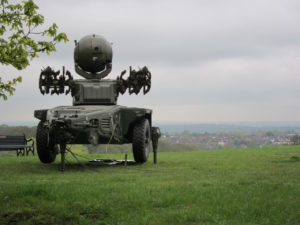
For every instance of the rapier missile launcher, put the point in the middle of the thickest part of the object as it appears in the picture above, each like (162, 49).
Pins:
(95, 118)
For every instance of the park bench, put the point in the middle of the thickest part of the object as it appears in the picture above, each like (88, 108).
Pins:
(16, 142)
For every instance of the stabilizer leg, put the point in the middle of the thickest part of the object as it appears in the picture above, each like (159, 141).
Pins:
(154, 156)
(63, 152)
(155, 135)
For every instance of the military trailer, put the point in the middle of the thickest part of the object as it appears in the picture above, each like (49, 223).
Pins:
(95, 118)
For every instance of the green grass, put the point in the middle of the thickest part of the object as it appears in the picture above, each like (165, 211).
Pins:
(252, 186)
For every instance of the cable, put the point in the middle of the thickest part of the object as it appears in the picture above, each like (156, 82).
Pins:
(68, 149)
(74, 155)
(112, 134)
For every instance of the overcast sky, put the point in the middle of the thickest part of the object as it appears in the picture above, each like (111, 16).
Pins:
(211, 60)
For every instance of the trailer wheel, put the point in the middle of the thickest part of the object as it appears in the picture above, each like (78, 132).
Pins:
(46, 149)
(141, 140)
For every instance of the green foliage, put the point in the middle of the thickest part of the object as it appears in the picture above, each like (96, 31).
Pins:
(186, 133)
(295, 139)
(8, 87)
(19, 24)
(269, 134)
(28, 131)
(255, 186)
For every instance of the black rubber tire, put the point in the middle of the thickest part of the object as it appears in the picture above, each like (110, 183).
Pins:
(141, 140)
(46, 149)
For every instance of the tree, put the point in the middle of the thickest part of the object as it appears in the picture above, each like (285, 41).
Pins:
(21, 40)
(295, 139)
(269, 134)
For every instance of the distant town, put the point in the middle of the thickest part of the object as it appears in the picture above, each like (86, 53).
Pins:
(202, 136)
(232, 139)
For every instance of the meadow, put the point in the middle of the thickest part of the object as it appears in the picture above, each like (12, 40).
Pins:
(228, 186)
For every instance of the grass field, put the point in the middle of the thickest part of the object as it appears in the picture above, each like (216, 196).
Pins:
(253, 186)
